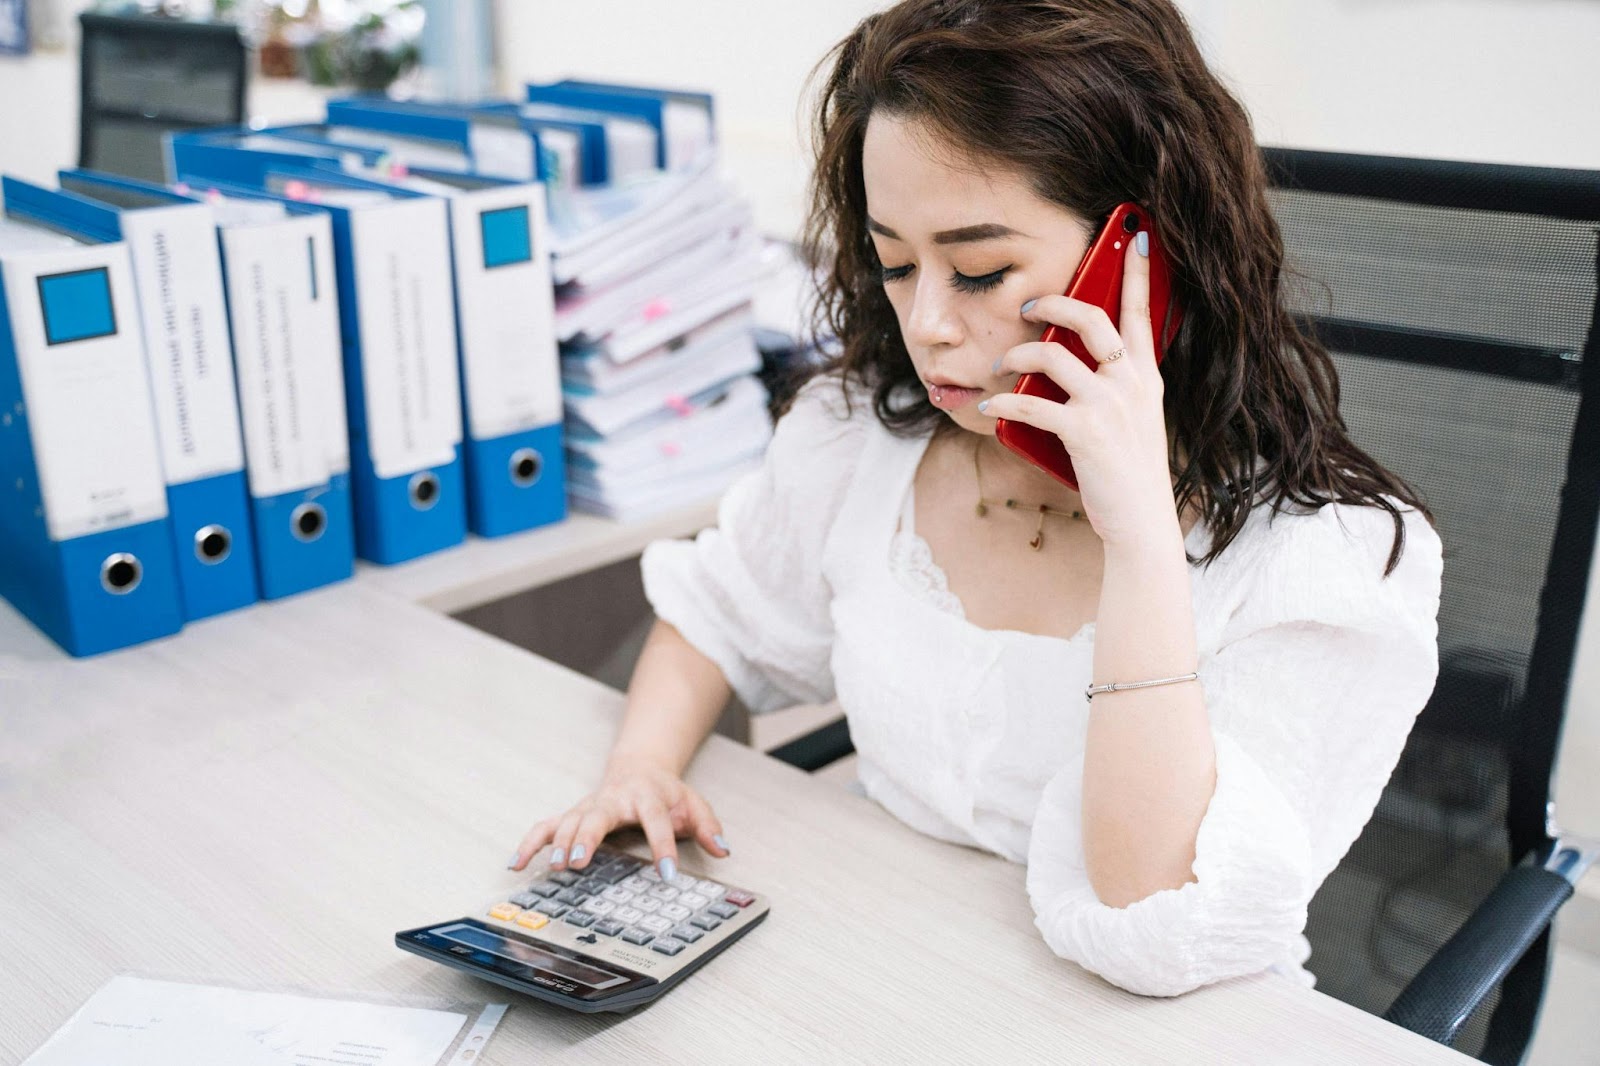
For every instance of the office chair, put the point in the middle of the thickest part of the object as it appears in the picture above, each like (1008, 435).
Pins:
(143, 76)
(1459, 302)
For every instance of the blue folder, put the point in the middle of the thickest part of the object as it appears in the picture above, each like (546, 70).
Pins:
(178, 276)
(85, 538)
(402, 385)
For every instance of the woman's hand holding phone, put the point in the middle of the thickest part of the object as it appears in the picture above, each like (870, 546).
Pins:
(1112, 424)
(632, 792)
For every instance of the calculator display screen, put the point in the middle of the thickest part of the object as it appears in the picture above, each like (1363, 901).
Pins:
(590, 977)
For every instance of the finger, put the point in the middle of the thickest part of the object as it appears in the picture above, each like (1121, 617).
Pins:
(592, 828)
(1035, 411)
(563, 839)
(1134, 321)
(536, 838)
(657, 826)
(1092, 325)
(1054, 360)
(707, 826)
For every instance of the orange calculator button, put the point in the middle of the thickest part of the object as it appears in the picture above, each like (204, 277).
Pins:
(532, 920)
(504, 911)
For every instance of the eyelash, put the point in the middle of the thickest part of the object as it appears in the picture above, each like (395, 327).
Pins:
(958, 279)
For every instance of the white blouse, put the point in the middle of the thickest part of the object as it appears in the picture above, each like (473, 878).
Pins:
(814, 586)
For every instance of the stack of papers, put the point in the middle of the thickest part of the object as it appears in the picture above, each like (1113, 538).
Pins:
(656, 278)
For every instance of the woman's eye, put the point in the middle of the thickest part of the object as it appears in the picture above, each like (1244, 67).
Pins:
(895, 273)
(979, 284)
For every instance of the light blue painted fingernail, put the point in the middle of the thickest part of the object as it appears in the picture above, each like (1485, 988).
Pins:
(1028, 306)
(557, 855)
(983, 405)
(578, 852)
(997, 362)
(515, 855)
(721, 843)
(1142, 242)
(667, 868)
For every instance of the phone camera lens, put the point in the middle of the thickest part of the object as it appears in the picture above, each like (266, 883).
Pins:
(1130, 224)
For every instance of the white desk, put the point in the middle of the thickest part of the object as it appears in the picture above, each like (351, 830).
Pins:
(271, 795)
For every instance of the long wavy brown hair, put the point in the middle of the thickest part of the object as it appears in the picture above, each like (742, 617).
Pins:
(1098, 102)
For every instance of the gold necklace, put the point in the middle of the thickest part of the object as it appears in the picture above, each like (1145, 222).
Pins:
(982, 508)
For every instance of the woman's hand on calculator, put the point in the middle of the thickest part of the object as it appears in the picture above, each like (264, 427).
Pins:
(631, 793)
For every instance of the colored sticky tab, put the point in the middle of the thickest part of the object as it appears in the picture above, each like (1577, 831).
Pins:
(656, 308)
(671, 448)
(679, 404)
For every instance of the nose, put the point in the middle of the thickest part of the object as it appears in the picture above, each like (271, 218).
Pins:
(931, 321)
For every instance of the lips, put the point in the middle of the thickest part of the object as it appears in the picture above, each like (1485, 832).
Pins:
(948, 396)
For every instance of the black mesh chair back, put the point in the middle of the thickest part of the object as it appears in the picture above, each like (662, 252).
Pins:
(143, 76)
(1459, 304)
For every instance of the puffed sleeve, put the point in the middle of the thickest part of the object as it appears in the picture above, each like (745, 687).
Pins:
(749, 593)
(1311, 694)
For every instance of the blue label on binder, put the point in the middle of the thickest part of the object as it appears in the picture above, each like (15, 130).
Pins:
(77, 306)
(506, 237)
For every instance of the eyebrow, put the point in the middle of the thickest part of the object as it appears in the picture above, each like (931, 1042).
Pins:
(986, 231)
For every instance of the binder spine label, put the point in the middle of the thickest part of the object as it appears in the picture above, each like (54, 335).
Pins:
(318, 337)
(408, 335)
(179, 280)
(269, 294)
(511, 369)
(504, 151)
(74, 322)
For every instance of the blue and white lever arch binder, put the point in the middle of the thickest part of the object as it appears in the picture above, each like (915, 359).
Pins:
(683, 120)
(495, 143)
(178, 280)
(398, 328)
(283, 309)
(85, 541)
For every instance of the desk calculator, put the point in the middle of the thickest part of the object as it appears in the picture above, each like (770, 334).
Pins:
(610, 937)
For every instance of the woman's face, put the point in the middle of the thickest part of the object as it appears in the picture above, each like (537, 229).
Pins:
(962, 251)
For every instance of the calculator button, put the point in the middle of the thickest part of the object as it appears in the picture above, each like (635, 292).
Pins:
(544, 888)
(709, 889)
(553, 907)
(635, 883)
(583, 918)
(612, 873)
(667, 946)
(687, 933)
(649, 874)
(563, 877)
(532, 920)
(572, 896)
(693, 900)
(739, 897)
(648, 904)
(524, 899)
(655, 923)
(504, 911)
(607, 927)
(617, 894)
(592, 885)
(664, 892)
(596, 905)
(722, 910)
(705, 921)
(675, 911)
(627, 914)
(638, 936)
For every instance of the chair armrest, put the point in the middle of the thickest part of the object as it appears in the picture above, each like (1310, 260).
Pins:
(816, 749)
(1445, 992)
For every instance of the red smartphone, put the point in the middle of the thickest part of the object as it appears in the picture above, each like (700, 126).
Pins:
(1098, 281)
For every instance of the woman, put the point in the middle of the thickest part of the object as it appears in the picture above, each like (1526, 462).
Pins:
(1228, 542)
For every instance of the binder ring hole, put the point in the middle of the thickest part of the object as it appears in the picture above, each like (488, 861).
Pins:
(308, 521)
(212, 544)
(121, 573)
(525, 467)
(424, 490)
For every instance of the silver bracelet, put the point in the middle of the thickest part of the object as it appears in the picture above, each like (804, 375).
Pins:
(1093, 690)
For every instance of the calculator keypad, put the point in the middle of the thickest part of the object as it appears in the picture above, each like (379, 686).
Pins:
(623, 897)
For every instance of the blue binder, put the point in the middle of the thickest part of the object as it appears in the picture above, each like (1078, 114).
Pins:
(178, 278)
(290, 385)
(672, 112)
(85, 538)
(397, 326)
(495, 142)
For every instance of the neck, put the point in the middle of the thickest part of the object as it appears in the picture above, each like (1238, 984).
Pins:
(1005, 473)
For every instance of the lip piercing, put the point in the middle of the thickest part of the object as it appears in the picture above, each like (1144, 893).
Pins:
(938, 393)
